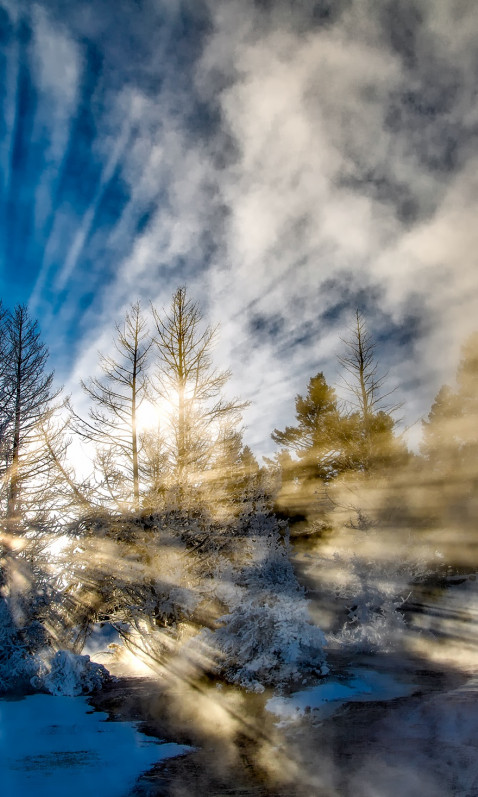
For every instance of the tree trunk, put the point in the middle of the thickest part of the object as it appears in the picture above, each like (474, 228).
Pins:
(14, 488)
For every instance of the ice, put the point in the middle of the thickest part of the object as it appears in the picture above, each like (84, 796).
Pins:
(362, 684)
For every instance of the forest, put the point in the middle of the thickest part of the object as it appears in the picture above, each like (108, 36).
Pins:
(148, 532)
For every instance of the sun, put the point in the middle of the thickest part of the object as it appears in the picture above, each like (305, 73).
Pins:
(148, 416)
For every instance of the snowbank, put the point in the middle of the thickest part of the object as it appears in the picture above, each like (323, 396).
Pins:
(28, 664)
(71, 675)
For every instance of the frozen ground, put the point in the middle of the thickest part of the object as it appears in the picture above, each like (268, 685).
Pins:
(381, 727)
(400, 723)
(57, 746)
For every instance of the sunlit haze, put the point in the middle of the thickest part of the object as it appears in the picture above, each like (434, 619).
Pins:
(239, 396)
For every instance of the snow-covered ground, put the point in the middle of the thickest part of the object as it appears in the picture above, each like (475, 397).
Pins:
(57, 746)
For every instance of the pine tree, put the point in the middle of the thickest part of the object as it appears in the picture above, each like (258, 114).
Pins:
(234, 478)
(319, 440)
(448, 470)
(467, 393)
(450, 439)
(154, 467)
(440, 427)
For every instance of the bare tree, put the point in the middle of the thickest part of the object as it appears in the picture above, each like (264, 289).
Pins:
(365, 384)
(27, 404)
(190, 388)
(6, 391)
(116, 397)
(71, 496)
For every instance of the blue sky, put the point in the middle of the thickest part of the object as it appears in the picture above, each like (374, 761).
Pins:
(288, 161)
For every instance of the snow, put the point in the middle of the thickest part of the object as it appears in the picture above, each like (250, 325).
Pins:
(361, 685)
(27, 662)
(71, 675)
(53, 746)
(267, 637)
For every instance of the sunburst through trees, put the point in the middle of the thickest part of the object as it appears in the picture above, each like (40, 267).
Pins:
(201, 423)
(176, 537)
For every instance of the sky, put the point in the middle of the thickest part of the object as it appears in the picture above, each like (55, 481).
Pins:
(287, 161)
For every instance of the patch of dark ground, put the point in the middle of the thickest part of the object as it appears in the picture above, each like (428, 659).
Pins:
(238, 750)
(421, 745)
(401, 749)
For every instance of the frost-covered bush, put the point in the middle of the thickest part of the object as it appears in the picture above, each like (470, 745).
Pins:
(18, 663)
(267, 637)
(269, 641)
(71, 674)
(374, 620)
(374, 596)
(218, 594)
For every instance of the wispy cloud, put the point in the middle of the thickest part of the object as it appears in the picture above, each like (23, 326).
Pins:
(346, 135)
(287, 161)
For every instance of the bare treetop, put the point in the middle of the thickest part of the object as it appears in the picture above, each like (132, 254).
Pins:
(364, 382)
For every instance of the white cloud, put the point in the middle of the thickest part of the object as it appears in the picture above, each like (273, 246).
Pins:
(312, 192)
(307, 110)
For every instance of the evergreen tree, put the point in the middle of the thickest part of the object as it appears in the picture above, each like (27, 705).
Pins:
(234, 479)
(251, 483)
(450, 439)
(154, 467)
(320, 440)
(467, 394)
(440, 427)
(448, 472)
